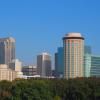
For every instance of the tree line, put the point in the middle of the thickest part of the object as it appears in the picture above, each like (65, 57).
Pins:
(51, 89)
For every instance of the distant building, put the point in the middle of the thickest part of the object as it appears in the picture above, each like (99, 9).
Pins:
(29, 70)
(55, 74)
(59, 62)
(16, 65)
(6, 73)
(19, 74)
(29, 77)
(87, 61)
(95, 66)
(87, 65)
(44, 65)
(87, 49)
(7, 50)
(73, 44)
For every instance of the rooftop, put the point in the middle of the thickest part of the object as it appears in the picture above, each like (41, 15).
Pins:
(73, 35)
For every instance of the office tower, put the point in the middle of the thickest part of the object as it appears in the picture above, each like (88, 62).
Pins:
(6, 73)
(7, 50)
(87, 61)
(29, 70)
(44, 65)
(59, 62)
(16, 65)
(55, 72)
(73, 44)
(87, 49)
(95, 66)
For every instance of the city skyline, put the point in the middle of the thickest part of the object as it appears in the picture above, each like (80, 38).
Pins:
(39, 26)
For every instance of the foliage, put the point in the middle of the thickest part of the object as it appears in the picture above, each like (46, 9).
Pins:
(51, 89)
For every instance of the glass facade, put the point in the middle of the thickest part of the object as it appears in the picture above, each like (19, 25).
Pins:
(59, 61)
(87, 65)
(87, 49)
(87, 61)
(95, 66)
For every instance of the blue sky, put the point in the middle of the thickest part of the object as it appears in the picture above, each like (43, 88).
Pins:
(39, 25)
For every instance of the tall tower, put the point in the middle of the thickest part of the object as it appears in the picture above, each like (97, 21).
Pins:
(44, 64)
(87, 60)
(73, 44)
(7, 50)
(59, 62)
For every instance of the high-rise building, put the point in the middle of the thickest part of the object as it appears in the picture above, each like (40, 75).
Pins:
(73, 44)
(95, 66)
(87, 49)
(7, 50)
(87, 61)
(44, 65)
(59, 62)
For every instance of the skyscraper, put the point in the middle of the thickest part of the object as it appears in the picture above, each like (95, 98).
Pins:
(87, 61)
(44, 65)
(73, 44)
(59, 62)
(7, 50)
(87, 49)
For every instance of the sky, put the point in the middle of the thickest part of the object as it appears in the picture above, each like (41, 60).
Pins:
(39, 25)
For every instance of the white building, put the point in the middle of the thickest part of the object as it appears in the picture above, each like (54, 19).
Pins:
(16, 65)
(6, 73)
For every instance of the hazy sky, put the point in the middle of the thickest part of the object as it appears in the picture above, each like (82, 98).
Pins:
(39, 25)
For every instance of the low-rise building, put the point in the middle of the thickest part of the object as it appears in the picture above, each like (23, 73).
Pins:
(6, 73)
(29, 70)
(16, 65)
